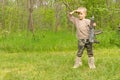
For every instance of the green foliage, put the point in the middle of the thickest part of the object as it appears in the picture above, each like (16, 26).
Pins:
(14, 18)
(42, 41)
(116, 39)
(14, 23)
(109, 39)
(16, 13)
(44, 18)
(51, 41)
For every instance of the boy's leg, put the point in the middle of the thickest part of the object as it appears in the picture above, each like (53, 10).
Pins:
(90, 56)
(81, 47)
(78, 61)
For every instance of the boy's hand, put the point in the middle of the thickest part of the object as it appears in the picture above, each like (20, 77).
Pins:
(74, 11)
(94, 24)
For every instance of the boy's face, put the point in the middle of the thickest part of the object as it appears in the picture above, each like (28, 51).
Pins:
(81, 14)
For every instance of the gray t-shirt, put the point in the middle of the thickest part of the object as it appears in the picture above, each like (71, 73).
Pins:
(82, 27)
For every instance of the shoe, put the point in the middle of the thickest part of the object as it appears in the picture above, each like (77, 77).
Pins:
(78, 62)
(91, 63)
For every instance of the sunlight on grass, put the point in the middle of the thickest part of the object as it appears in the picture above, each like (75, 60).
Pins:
(23, 71)
(58, 66)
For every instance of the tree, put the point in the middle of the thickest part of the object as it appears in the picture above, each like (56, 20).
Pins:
(3, 4)
(30, 19)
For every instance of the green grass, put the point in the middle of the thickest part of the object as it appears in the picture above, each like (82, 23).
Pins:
(50, 56)
(43, 41)
(109, 39)
(58, 66)
(20, 41)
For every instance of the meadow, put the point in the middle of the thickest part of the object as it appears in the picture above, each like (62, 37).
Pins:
(64, 40)
(50, 56)
(57, 65)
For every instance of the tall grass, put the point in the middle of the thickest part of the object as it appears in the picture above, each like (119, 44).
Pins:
(42, 41)
(109, 39)
(51, 41)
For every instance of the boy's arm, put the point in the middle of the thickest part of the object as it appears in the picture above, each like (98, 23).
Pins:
(71, 17)
(71, 13)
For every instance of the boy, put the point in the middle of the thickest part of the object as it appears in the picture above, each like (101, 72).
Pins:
(82, 30)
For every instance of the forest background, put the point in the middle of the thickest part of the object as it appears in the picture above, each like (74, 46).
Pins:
(43, 25)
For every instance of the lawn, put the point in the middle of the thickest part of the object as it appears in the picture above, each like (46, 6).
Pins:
(58, 66)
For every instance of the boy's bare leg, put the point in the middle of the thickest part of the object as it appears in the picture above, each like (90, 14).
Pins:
(78, 62)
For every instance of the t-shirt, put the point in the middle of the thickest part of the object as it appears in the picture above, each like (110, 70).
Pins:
(82, 27)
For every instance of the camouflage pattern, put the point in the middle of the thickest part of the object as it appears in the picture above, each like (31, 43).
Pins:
(82, 44)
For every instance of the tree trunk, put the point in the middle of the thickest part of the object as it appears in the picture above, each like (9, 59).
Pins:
(57, 22)
(57, 15)
(30, 19)
(3, 23)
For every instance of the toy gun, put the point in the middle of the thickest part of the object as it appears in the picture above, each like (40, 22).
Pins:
(91, 33)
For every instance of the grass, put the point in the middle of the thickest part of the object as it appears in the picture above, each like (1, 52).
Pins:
(50, 56)
(20, 41)
(58, 66)
(43, 41)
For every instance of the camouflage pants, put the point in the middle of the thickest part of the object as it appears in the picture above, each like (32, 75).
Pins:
(82, 44)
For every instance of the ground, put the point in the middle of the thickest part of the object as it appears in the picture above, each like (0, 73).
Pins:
(58, 66)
